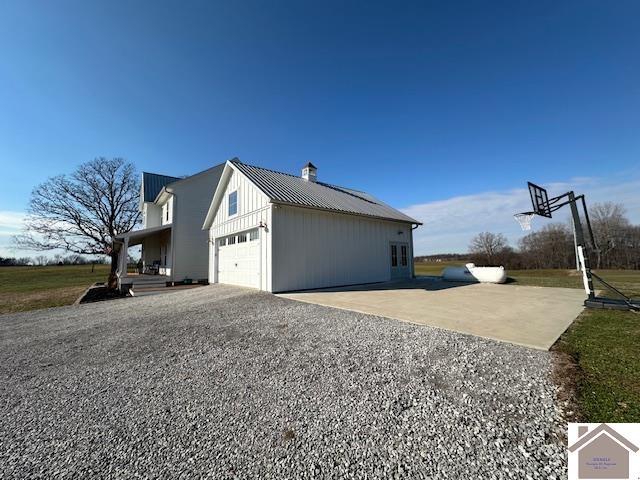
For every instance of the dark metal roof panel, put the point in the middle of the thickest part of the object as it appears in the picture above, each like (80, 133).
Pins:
(153, 183)
(285, 188)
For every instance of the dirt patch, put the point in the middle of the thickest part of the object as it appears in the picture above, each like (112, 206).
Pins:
(100, 293)
(567, 376)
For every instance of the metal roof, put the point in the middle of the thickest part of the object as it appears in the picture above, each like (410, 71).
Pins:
(153, 183)
(292, 190)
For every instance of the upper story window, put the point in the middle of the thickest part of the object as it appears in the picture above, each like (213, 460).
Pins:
(165, 217)
(233, 203)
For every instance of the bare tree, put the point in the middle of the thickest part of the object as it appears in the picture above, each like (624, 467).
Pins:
(489, 246)
(611, 229)
(84, 211)
(41, 260)
(549, 247)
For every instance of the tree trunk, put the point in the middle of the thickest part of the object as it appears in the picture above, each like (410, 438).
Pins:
(112, 283)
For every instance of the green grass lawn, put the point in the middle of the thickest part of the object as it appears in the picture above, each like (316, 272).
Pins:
(603, 343)
(28, 288)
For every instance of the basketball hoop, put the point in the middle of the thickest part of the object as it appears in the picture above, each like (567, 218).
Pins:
(524, 219)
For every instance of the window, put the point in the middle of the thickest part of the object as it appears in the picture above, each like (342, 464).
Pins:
(394, 255)
(403, 255)
(222, 242)
(167, 210)
(242, 238)
(253, 234)
(233, 203)
(231, 241)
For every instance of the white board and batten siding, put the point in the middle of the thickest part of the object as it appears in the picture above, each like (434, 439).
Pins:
(151, 215)
(186, 211)
(245, 263)
(315, 249)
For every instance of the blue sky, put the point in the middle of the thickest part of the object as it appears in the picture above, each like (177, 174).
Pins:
(418, 104)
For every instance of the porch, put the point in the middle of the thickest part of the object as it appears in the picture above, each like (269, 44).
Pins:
(154, 268)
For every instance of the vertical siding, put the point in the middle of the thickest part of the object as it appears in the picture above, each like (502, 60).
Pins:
(315, 249)
(188, 209)
(150, 250)
(253, 208)
(152, 215)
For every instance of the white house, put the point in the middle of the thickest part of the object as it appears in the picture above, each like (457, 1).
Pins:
(174, 247)
(279, 232)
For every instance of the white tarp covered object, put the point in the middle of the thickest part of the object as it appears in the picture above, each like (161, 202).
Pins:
(471, 273)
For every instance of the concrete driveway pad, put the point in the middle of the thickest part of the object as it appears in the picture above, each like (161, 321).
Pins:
(530, 316)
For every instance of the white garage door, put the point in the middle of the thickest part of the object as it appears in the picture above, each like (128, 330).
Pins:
(239, 259)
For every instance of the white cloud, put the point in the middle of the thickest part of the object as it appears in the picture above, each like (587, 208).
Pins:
(450, 224)
(10, 224)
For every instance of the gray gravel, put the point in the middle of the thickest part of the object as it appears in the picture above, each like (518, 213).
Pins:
(221, 382)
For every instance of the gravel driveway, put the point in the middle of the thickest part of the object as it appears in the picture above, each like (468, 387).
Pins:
(223, 382)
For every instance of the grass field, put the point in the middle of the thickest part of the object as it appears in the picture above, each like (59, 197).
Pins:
(604, 344)
(28, 288)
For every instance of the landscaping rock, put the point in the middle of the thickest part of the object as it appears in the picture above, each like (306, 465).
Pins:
(222, 382)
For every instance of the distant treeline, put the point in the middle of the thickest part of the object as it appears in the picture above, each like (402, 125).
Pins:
(552, 246)
(444, 257)
(58, 259)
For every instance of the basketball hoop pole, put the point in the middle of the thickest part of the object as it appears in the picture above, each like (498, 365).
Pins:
(575, 243)
(582, 252)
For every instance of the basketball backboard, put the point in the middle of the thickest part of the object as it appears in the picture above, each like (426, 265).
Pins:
(539, 200)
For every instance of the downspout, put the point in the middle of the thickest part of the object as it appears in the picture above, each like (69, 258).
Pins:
(173, 231)
(413, 265)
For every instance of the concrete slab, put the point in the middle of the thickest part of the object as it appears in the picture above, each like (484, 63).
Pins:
(531, 316)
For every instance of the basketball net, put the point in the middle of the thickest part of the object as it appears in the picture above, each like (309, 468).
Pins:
(524, 219)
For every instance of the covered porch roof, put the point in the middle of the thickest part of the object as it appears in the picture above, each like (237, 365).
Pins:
(136, 237)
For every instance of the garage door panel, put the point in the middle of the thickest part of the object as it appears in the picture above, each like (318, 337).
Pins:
(239, 264)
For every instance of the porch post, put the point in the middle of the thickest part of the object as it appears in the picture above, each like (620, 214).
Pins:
(122, 267)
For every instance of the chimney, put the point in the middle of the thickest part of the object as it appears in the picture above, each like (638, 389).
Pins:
(582, 429)
(309, 172)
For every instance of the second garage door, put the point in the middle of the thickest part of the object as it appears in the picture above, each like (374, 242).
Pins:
(239, 259)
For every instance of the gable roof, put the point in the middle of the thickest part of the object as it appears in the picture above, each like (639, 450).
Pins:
(602, 428)
(152, 183)
(283, 188)
(214, 172)
(292, 190)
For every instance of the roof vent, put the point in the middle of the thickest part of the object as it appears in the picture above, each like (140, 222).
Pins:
(309, 172)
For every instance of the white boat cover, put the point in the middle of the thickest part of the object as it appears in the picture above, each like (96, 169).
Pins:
(471, 273)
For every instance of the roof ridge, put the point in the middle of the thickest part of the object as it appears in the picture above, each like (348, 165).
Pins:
(236, 160)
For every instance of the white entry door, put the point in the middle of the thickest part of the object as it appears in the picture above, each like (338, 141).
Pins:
(239, 260)
(399, 259)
